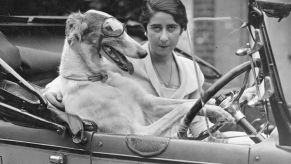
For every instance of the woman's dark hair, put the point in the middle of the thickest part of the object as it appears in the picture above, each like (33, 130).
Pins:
(172, 7)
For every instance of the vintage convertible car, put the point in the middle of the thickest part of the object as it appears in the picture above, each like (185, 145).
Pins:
(33, 132)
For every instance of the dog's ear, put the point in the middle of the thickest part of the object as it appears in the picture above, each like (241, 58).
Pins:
(75, 27)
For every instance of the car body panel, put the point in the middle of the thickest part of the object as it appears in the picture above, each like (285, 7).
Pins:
(111, 148)
(17, 143)
(270, 152)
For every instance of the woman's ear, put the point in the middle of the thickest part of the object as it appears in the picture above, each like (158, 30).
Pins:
(75, 27)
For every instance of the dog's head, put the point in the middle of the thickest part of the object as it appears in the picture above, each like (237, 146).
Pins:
(99, 34)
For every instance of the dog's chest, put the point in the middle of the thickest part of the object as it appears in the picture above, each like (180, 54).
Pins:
(102, 97)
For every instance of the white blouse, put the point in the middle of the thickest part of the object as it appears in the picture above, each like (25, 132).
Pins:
(146, 75)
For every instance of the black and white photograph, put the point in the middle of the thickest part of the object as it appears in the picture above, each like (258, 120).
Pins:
(145, 81)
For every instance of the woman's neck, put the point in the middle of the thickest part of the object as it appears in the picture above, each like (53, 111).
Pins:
(166, 70)
(159, 59)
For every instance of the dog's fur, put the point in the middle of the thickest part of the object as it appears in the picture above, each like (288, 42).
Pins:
(117, 104)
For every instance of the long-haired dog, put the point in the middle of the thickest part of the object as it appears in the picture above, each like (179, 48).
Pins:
(94, 90)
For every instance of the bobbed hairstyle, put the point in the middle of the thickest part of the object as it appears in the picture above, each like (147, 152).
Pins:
(172, 7)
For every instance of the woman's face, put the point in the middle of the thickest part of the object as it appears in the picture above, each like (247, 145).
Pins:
(163, 34)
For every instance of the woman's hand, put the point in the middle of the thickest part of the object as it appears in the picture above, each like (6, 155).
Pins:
(217, 113)
(55, 98)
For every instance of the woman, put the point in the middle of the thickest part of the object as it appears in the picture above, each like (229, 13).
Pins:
(163, 73)
(171, 76)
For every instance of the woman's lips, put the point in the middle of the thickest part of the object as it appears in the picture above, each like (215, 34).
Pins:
(164, 46)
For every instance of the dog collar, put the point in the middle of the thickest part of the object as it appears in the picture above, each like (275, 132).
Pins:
(93, 78)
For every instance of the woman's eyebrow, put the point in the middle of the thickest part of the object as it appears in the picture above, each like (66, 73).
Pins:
(155, 25)
(174, 25)
(168, 25)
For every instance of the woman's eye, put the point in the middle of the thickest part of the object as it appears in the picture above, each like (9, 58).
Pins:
(156, 28)
(172, 28)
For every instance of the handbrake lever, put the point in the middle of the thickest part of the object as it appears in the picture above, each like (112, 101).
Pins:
(22, 82)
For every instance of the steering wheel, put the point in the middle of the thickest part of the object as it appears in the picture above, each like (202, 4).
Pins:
(220, 83)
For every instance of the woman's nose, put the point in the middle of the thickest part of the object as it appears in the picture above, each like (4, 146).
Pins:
(164, 36)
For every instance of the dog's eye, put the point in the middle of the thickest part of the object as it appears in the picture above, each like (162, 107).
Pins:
(108, 29)
(112, 27)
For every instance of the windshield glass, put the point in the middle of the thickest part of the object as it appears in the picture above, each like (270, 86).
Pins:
(220, 37)
(216, 39)
(282, 52)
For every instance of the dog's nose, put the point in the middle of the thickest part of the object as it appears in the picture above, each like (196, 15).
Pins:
(142, 54)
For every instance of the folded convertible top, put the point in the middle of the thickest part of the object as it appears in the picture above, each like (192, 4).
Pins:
(32, 20)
